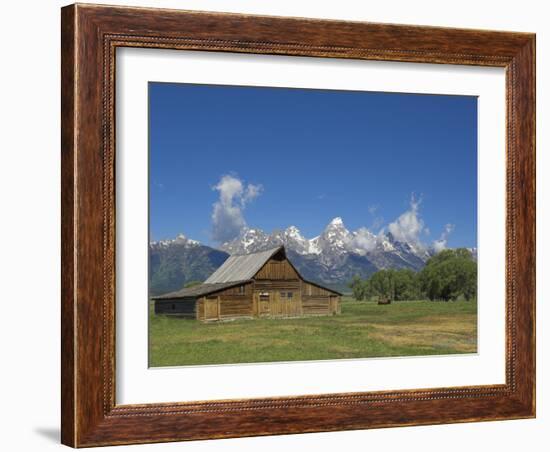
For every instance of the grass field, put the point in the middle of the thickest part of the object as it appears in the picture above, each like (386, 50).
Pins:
(363, 330)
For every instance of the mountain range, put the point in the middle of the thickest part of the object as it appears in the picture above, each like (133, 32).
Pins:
(332, 258)
(173, 263)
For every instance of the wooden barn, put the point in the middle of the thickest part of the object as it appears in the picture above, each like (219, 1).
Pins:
(257, 285)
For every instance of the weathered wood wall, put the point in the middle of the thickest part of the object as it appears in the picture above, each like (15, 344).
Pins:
(319, 301)
(200, 309)
(315, 291)
(277, 270)
(335, 305)
(266, 285)
(235, 308)
(183, 307)
(232, 303)
(278, 303)
(277, 291)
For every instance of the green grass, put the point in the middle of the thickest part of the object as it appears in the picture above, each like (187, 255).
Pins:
(363, 330)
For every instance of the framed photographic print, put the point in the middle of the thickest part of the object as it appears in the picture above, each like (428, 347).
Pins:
(281, 225)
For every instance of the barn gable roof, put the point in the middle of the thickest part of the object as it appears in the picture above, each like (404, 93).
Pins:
(242, 267)
(199, 290)
(236, 270)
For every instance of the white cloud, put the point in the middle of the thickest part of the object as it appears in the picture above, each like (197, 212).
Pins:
(363, 240)
(441, 243)
(378, 220)
(439, 246)
(252, 191)
(409, 225)
(234, 195)
(377, 223)
(227, 214)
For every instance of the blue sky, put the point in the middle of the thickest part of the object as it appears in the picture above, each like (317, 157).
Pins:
(303, 157)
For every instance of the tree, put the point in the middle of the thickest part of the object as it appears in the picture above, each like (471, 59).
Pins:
(356, 286)
(406, 285)
(382, 284)
(192, 284)
(400, 284)
(360, 288)
(449, 275)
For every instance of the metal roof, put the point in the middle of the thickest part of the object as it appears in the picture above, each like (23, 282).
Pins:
(199, 290)
(323, 287)
(237, 269)
(241, 267)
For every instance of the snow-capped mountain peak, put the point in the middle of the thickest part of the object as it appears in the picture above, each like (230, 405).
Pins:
(293, 231)
(294, 240)
(332, 257)
(337, 253)
(333, 243)
(334, 246)
(180, 239)
(252, 240)
(247, 241)
(336, 234)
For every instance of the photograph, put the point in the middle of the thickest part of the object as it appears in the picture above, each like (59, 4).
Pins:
(275, 226)
(292, 224)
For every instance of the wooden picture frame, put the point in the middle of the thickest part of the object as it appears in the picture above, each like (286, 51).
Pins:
(90, 36)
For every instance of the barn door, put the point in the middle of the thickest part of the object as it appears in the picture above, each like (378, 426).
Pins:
(296, 304)
(255, 304)
(263, 303)
(274, 304)
(333, 305)
(287, 304)
(212, 309)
